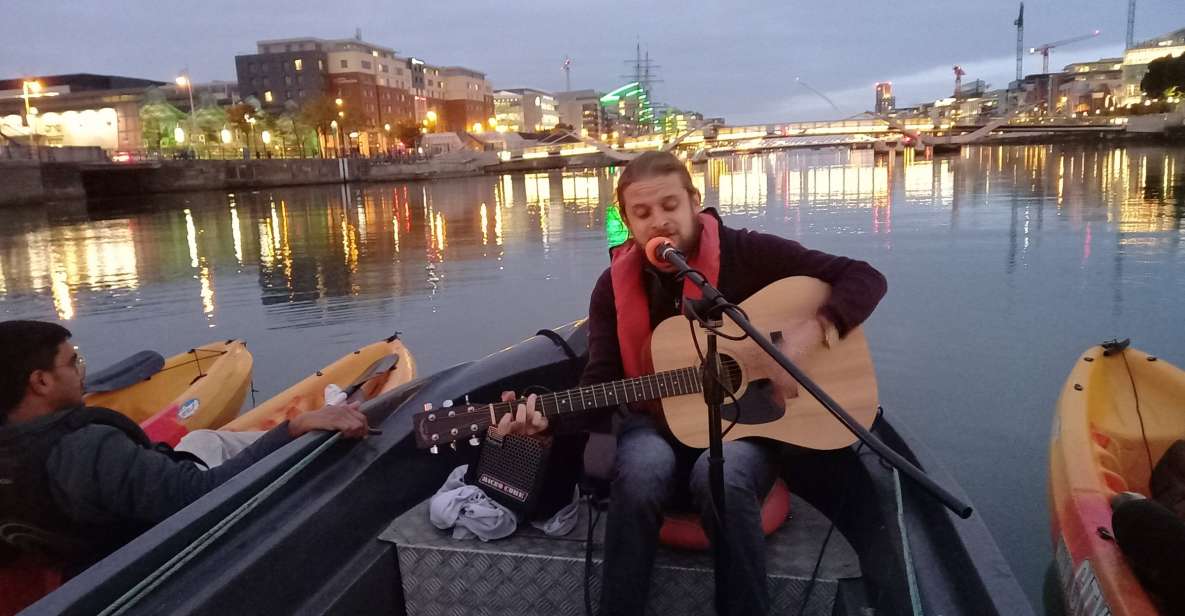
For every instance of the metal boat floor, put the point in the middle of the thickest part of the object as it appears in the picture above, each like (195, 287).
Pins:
(531, 573)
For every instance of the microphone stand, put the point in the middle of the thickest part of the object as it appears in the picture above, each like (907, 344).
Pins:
(714, 397)
(713, 298)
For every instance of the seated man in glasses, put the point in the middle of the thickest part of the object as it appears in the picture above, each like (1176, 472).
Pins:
(77, 482)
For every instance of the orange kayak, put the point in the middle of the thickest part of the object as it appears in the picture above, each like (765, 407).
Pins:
(1117, 415)
(309, 394)
(203, 387)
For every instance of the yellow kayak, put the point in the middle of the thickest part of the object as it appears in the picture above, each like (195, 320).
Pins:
(1119, 411)
(203, 387)
(375, 368)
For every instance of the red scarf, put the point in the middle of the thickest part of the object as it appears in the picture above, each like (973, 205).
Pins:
(633, 306)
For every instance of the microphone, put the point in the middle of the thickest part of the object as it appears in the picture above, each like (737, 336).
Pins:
(657, 251)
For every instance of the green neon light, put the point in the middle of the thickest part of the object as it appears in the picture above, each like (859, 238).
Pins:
(616, 233)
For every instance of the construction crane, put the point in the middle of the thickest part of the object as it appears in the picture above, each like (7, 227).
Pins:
(1020, 41)
(1131, 23)
(959, 72)
(1044, 49)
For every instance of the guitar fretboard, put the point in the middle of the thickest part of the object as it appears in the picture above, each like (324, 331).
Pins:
(625, 391)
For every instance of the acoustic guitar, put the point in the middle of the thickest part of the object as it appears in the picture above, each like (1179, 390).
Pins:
(764, 402)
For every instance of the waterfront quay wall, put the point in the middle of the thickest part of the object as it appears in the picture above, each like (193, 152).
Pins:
(28, 182)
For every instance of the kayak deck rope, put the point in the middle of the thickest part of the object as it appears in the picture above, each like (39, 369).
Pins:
(1139, 415)
(166, 571)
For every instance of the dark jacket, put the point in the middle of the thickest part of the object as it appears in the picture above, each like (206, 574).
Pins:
(749, 261)
(87, 483)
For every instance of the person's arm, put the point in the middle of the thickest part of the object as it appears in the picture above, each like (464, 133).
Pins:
(604, 353)
(856, 287)
(99, 475)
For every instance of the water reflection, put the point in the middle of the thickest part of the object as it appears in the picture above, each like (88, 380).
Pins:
(1003, 262)
(311, 246)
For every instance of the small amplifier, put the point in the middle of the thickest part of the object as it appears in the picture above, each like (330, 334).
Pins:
(511, 470)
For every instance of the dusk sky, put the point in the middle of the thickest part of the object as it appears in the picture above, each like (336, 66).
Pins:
(731, 59)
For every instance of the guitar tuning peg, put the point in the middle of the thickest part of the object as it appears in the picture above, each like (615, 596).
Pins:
(433, 450)
(466, 399)
(473, 441)
(453, 445)
(447, 404)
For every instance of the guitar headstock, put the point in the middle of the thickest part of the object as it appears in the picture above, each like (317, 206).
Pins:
(449, 424)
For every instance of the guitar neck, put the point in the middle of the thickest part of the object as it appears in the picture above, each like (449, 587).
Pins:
(448, 424)
(625, 391)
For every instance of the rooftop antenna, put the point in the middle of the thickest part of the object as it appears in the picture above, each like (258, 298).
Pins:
(568, 73)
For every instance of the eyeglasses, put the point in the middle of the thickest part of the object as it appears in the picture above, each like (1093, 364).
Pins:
(79, 364)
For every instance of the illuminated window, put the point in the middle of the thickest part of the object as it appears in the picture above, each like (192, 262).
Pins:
(374, 53)
(267, 96)
(298, 64)
(320, 65)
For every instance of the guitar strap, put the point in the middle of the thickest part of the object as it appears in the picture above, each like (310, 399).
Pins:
(632, 303)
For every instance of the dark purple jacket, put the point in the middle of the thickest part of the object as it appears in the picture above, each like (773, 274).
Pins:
(749, 261)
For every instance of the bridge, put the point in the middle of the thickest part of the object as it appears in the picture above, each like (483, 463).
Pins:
(861, 131)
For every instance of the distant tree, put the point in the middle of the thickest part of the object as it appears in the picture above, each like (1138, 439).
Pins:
(318, 113)
(158, 119)
(210, 119)
(1164, 74)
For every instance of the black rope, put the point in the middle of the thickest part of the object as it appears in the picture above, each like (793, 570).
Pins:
(810, 587)
(588, 555)
(1136, 394)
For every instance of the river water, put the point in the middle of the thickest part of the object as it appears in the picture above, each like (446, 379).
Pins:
(1003, 264)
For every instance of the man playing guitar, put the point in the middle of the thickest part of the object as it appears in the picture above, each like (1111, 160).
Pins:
(631, 298)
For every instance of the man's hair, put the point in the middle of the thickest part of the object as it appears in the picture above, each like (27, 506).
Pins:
(25, 346)
(651, 165)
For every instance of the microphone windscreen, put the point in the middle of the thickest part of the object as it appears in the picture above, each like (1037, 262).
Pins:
(652, 248)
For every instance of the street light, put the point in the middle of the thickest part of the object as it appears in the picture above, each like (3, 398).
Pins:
(337, 143)
(28, 88)
(251, 143)
(183, 81)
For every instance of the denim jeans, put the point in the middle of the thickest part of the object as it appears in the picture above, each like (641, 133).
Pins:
(650, 469)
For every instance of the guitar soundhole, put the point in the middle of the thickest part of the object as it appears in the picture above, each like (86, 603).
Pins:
(732, 374)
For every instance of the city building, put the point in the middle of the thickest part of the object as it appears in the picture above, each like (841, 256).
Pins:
(525, 110)
(372, 88)
(1092, 88)
(581, 109)
(1137, 58)
(675, 122)
(629, 109)
(468, 101)
(79, 109)
(885, 101)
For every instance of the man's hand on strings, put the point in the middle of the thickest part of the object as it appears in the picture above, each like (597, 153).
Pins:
(524, 420)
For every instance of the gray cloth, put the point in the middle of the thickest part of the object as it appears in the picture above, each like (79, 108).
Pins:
(564, 520)
(468, 511)
(215, 447)
(100, 476)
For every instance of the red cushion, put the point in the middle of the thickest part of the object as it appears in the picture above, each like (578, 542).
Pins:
(683, 530)
(25, 582)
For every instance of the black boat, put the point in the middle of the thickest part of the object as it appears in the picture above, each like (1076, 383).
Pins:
(334, 534)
